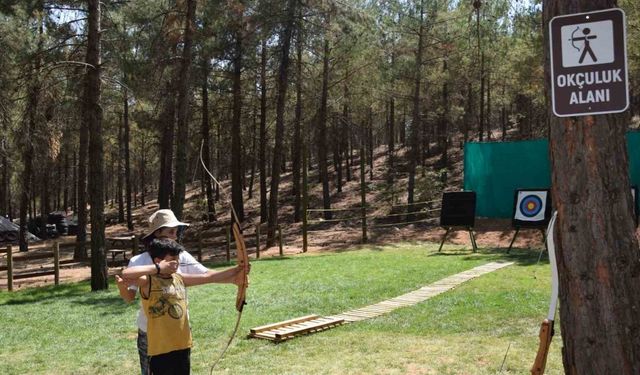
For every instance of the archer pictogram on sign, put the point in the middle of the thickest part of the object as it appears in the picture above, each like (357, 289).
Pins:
(587, 44)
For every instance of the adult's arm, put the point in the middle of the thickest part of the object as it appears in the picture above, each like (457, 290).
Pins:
(229, 276)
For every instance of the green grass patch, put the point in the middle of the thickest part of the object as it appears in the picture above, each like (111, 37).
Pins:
(70, 330)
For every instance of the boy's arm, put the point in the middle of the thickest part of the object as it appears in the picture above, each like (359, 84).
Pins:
(228, 276)
(165, 268)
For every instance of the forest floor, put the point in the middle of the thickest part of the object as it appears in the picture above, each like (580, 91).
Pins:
(325, 237)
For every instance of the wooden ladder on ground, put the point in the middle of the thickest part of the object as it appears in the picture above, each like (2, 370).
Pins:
(288, 329)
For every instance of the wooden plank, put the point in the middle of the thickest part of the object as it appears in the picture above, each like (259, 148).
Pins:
(27, 275)
(308, 329)
(33, 257)
(283, 323)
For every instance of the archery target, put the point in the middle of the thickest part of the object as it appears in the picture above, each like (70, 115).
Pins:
(531, 206)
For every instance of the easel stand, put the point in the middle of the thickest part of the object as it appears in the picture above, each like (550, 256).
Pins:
(471, 236)
(544, 236)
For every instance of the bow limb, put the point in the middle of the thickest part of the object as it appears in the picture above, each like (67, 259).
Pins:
(243, 262)
(546, 329)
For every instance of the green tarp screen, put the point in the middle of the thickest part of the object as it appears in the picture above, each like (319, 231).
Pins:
(494, 170)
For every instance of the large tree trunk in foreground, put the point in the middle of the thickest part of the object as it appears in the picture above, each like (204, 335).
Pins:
(597, 251)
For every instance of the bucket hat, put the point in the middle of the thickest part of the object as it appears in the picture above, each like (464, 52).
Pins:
(164, 218)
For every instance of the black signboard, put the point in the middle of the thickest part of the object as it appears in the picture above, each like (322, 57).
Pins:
(589, 63)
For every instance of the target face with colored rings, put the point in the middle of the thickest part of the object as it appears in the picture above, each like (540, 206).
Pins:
(531, 205)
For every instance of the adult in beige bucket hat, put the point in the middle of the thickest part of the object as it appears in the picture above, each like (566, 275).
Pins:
(161, 219)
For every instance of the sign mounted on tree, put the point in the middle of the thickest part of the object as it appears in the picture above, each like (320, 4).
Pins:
(589, 63)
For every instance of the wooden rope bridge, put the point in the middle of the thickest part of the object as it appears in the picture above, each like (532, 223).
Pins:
(289, 329)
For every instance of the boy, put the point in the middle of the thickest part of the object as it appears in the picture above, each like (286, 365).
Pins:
(164, 303)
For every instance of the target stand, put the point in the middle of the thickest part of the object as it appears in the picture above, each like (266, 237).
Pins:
(458, 211)
(531, 210)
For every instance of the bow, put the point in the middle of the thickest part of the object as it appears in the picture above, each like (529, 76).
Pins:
(242, 259)
(546, 329)
(572, 38)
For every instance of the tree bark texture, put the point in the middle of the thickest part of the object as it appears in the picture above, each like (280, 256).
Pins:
(177, 203)
(322, 128)
(414, 156)
(297, 124)
(92, 115)
(127, 158)
(263, 132)
(596, 247)
(278, 151)
(206, 152)
(236, 146)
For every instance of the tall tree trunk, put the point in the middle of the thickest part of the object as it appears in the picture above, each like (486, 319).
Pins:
(127, 158)
(204, 130)
(392, 139)
(444, 121)
(166, 123)
(297, 123)
(322, 127)
(92, 115)
(596, 247)
(278, 151)
(236, 146)
(481, 105)
(414, 152)
(177, 204)
(263, 132)
(27, 156)
(120, 173)
(65, 191)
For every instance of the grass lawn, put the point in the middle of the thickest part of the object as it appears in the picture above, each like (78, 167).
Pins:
(70, 330)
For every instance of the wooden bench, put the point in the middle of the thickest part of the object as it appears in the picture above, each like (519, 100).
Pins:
(115, 252)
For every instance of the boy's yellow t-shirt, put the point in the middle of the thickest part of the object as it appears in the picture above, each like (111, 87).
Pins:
(166, 309)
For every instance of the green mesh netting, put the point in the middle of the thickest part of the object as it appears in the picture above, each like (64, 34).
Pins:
(494, 170)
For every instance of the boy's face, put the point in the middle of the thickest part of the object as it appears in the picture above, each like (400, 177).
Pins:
(167, 258)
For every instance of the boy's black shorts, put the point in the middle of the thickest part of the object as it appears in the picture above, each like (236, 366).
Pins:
(173, 363)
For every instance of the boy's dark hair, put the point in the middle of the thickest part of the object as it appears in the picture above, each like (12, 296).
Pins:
(159, 248)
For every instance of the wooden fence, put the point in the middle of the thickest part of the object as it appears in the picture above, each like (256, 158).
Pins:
(229, 241)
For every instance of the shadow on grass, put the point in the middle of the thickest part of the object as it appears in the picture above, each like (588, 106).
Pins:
(72, 294)
(521, 257)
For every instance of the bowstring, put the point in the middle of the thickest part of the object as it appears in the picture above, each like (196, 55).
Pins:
(234, 218)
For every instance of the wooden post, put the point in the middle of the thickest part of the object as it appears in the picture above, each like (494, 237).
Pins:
(280, 239)
(56, 263)
(136, 245)
(10, 268)
(305, 198)
(258, 241)
(199, 246)
(229, 244)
